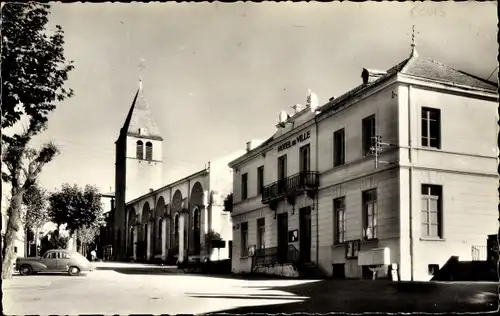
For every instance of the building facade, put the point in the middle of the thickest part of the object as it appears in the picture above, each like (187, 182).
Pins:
(152, 221)
(395, 176)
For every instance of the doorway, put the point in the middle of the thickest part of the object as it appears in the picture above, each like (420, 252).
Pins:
(305, 234)
(282, 237)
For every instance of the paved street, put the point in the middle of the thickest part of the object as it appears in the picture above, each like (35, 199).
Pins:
(148, 289)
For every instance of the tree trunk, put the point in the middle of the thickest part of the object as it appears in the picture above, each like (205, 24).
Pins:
(13, 225)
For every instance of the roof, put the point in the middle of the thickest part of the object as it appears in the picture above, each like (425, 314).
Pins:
(421, 67)
(430, 69)
(140, 116)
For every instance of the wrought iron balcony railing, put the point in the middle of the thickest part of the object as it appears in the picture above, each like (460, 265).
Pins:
(305, 180)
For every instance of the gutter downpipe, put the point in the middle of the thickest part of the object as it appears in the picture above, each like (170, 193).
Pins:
(410, 176)
(317, 193)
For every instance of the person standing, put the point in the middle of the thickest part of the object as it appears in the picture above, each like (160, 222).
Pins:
(93, 255)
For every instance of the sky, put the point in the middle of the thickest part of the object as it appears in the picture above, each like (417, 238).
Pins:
(216, 75)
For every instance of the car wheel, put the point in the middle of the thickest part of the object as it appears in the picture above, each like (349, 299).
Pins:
(25, 270)
(73, 271)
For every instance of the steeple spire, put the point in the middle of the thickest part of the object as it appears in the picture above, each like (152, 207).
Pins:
(141, 67)
(414, 52)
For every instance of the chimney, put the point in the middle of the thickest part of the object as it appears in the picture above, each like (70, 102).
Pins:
(312, 101)
(331, 99)
(249, 146)
(370, 75)
(296, 108)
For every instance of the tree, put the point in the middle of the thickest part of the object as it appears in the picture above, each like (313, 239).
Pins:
(36, 214)
(210, 236)
(33, 73)
(228, 203)
(75, 207)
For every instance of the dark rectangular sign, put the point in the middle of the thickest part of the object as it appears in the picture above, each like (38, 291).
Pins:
(218, 244)
(292, 142)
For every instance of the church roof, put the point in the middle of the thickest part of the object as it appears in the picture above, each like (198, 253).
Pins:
(140, 117)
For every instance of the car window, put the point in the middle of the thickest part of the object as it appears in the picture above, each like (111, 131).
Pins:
(64, 255)
(50, 255)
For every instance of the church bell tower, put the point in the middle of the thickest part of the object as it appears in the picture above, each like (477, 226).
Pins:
(138, 164)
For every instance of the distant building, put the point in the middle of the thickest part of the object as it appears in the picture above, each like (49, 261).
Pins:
(313, 196)
(167, 222)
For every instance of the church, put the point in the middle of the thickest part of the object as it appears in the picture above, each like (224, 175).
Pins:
(165, 223)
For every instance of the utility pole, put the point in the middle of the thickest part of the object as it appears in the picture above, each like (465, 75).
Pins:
(378, 146)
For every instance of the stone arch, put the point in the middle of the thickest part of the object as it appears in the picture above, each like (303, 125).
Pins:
(195, 218)
(147, 216)
(158, 225)
(175, 233)
(149, 151)
(132, 221)
(175, 209)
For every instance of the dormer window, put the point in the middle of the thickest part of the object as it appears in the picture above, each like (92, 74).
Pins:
(140, 150)
(149, 151)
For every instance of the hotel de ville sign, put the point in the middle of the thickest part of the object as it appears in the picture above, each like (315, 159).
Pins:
(294, 141)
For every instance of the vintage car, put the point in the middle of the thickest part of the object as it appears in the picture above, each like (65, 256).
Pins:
(56, 260)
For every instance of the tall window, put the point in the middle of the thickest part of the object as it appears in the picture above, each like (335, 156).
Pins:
(140, 150)
(368, 133)
(244, 186)
(261, 233)
(305, 158)
(149, 151)
(260, 179)
(340, 219)
(370, 214)
(282, 167)
(244, 239)
(431, 128)
(339, 148)
(431, 216)
(281, 174)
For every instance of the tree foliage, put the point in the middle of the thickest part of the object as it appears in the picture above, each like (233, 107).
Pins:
(76, 207)
(35, 201)
(87, 234)
(34, 70)
(53, 241)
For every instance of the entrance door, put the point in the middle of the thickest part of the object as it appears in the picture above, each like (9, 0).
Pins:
(282, 237)
(305, 234)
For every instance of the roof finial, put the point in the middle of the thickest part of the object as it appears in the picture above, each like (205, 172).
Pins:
(414, 52)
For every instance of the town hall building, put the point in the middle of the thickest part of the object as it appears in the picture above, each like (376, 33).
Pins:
(392, 178)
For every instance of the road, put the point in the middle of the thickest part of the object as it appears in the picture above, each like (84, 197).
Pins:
(147, 289)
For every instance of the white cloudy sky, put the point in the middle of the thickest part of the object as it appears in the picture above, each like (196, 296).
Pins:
(216, 75)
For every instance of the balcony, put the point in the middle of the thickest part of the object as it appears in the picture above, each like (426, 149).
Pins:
(307, 181)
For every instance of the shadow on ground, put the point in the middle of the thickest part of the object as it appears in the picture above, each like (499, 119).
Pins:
(357, 296)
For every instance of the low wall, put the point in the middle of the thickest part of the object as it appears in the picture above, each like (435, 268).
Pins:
(286, 270)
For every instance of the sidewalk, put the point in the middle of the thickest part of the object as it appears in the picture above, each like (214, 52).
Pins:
(116, 264)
